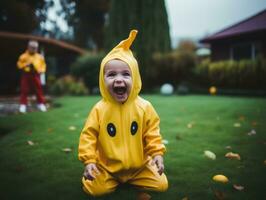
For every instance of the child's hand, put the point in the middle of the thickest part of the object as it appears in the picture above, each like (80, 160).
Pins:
(90, 171)
(158, 160)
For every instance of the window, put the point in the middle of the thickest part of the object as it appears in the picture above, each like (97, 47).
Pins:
(243, 51)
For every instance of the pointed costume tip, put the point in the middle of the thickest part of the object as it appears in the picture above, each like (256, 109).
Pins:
(133, 34)
(125, 44)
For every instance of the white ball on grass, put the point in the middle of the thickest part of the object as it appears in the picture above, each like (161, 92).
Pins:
(167, 89)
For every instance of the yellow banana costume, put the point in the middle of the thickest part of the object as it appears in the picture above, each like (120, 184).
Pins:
(36, 59)
(122, 138)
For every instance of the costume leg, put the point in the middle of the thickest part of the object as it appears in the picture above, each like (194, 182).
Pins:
(24, 89)
(38, 88)
(103, 184)
(148, 178)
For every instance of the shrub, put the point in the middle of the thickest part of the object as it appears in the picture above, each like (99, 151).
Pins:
(243, 74)
(173, 67)
(68, 85)
(201, 73)
(87, 68)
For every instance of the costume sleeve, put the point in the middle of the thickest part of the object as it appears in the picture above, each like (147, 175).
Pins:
(152, 139)
(42, 65)
(22, 61)
(39, 64)
(88, 138)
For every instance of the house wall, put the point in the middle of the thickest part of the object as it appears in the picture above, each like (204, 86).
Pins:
(222, 49)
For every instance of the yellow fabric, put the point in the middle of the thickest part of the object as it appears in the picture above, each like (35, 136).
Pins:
(124, 151)
(122, 52)
(145, 178)
(36, 59)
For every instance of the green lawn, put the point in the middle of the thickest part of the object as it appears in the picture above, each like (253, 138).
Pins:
(191, 124)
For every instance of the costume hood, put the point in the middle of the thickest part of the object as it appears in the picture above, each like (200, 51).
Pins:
(122, 52)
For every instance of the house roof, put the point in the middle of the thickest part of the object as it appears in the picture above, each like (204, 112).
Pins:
(254, 23)
(12, 41)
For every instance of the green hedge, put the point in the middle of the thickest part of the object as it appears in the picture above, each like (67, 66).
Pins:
(174, 67)
(87, 68)
(243, 74)
(68, 85)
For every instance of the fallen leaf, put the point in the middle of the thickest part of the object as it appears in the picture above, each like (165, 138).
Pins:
(237, 125)
(165, 141)
(210, 155)
(238, 187)
(144, 196)
(185, 198)
(219, 195)
(220, 178)
(29, 132)
(72, 128)
(252, 132)
(67, 150)
(30, 143)
(49, 130)
(254, 123)
(241, 118)
(232, 155)
(264, 162)
(190, 125)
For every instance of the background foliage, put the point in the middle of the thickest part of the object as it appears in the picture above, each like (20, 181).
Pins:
(243, 74)
(86, 18)
(87, 68)
(23, 16)
(149, 17)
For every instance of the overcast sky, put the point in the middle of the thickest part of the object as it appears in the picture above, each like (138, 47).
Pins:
(197, 18)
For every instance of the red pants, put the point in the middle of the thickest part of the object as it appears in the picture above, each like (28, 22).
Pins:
(29, 81)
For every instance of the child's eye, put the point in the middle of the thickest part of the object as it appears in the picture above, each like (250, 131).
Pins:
(126, 74)
(111, 74)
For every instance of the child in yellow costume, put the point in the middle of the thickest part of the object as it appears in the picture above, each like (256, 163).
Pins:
(121, 141)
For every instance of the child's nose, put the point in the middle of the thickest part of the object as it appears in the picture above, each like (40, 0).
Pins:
(118, 79)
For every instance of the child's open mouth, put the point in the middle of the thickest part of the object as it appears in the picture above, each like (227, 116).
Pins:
(120, 90)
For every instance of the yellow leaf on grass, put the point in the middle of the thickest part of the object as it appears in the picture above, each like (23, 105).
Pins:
(220, 178)
(190, 124)
(237, 125)
(30, 143)
(185, 198)
(72, 128)
(165, 141)
(232, 155)
(241, 118)
(238, 187)
(210, 155)
(49, 130)
(264, 162)
(67, 150)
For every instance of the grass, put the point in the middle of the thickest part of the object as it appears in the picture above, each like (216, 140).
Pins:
(191, 124)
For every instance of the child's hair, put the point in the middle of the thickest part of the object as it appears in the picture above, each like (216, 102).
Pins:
(33, 43)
